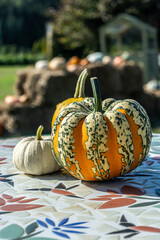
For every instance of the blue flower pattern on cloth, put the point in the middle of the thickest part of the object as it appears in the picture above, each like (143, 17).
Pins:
(63, 229)
(123, 208)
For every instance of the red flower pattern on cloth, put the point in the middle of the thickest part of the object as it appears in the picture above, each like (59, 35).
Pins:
(113, 199)
(130, 229)
(11, 204)
(2, 161)
(62, 192)
(130, 190)
(8, 146)
(146, 229)
(132, 197)
(61, 189)
(119, 202)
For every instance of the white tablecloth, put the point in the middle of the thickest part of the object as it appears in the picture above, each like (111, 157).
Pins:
(59, 206)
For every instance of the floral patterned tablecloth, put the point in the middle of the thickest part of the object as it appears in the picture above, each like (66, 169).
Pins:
(58, 206)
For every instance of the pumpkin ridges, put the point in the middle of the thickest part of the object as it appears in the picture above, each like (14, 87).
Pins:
(31, 166)
(55, 143)
(137, 140)
(95, 125)
(66, 141)
(16, 160)
(141, 119)
(71, 108)
(124, 138)
(80, 151)
(114, 158)
(92, 170)
(71, 168)
(61, 106)
(108, 103)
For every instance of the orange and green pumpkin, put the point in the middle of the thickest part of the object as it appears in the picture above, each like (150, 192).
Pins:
(95, 140)
(78, 96)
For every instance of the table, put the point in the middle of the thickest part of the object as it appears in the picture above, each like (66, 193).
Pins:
(59, 206)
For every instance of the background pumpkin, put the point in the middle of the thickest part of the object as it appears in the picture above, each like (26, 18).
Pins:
(95, 140)
(78, 96)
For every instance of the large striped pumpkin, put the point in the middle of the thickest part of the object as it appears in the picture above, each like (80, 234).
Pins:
(79, 95)
(95, 140)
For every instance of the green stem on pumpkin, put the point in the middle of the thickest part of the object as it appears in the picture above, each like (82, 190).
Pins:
(96, 94)
(79, 92)
(39, 132)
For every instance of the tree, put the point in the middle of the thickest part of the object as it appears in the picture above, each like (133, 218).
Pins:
(77, 22)
(23, 22)
(76, 26)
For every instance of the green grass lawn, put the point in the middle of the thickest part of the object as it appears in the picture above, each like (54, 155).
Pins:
(7, 80)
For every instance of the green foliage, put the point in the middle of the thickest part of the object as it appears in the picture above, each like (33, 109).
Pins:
(19, 58)
(76, 25)
(77, 22)
(23, 22)
(39, 46)
(147, 10)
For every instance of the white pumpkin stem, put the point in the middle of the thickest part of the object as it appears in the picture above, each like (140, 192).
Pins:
(39, 132)
(96, 94)
(79, 92)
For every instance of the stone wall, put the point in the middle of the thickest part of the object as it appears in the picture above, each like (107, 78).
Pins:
(44, 89)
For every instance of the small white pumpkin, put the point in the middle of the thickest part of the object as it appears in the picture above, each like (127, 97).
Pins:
(34, 155)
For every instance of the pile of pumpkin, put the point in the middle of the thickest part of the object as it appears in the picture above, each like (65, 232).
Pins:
(90, 138)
